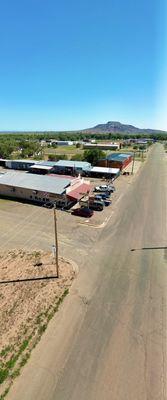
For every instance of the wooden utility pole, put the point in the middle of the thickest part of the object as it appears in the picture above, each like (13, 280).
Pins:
(88, 198)
(133, 162)
(56, 242)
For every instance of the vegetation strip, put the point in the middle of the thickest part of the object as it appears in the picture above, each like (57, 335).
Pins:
(7, 368)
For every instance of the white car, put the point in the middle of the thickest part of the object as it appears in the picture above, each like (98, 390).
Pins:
(104, 188)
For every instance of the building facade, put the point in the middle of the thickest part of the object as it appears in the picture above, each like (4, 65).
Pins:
(41, 189)
(119, 160)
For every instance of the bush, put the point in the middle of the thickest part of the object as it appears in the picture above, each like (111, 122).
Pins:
(51, 157)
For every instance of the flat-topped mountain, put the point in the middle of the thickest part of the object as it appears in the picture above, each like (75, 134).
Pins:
(117, 127)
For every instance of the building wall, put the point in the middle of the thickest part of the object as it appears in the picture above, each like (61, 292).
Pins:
(14, 164)
(101, 146)
(29, 195)
(115, 163)
(59, 169)
(102, 163)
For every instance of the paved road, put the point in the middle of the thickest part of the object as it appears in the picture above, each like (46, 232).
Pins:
(109, 339)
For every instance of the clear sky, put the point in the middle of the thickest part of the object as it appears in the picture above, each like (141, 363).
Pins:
(73, 64)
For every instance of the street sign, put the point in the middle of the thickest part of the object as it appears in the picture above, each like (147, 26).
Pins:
(53, 250)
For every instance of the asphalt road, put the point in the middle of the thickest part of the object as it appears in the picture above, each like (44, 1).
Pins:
(108, 342)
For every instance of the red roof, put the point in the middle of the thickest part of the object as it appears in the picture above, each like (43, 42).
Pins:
(79, 192)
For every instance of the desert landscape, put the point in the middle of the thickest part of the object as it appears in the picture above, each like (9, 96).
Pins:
(30, 295)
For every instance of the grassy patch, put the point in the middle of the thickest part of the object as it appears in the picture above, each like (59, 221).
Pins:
(5, 351)
(4, 372)
(4, 394)
(13, 366)
(24, 359)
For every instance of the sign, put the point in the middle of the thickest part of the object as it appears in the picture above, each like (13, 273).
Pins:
(53, 250)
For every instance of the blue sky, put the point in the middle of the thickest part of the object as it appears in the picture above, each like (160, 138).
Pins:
(73, 64)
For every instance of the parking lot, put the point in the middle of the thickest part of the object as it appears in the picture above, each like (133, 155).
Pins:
(32, 227)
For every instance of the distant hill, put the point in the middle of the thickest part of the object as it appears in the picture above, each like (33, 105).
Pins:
(117, 127)
(110, 127)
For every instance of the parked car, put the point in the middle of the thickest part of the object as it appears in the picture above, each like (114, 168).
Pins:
(83, 212)
(103, 196)
(107, 203)
(104, 200)
(48, 205)
(98, 197)
(111, 188)
(96, 205)
(104, 188)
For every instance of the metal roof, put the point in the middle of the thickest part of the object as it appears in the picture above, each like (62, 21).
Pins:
(62, 176)
(73, 164)
(43, 183)
(47, 163)
(119, 156)
(105, 170)
(80, 191)
(23, 161)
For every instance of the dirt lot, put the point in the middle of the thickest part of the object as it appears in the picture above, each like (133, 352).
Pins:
(27, 306)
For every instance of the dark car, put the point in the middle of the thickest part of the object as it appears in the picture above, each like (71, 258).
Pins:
(83, 212)
(103, 196)
(101, 202)
(107, 203)
(97, 205)
(48, 205)
(98, 197)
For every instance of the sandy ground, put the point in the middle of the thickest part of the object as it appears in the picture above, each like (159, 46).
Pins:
(27, 306)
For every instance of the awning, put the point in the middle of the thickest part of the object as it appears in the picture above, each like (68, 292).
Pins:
(79, 192)
(42, 167)
(104, 170)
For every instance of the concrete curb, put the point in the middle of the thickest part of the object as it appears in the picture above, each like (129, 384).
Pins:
(74, 265)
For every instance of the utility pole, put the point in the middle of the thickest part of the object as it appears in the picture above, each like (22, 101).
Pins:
(56, 241)
(133, 162)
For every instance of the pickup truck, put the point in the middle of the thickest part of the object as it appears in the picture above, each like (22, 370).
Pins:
(104, 188)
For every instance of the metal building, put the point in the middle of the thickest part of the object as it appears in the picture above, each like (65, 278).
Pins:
(119, 160)
(40, 189)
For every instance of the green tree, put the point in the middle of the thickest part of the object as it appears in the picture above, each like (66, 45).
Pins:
(93, 155)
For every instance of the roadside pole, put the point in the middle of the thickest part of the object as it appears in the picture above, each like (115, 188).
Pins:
(88, 199)
(133, 162)
(56, 241)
